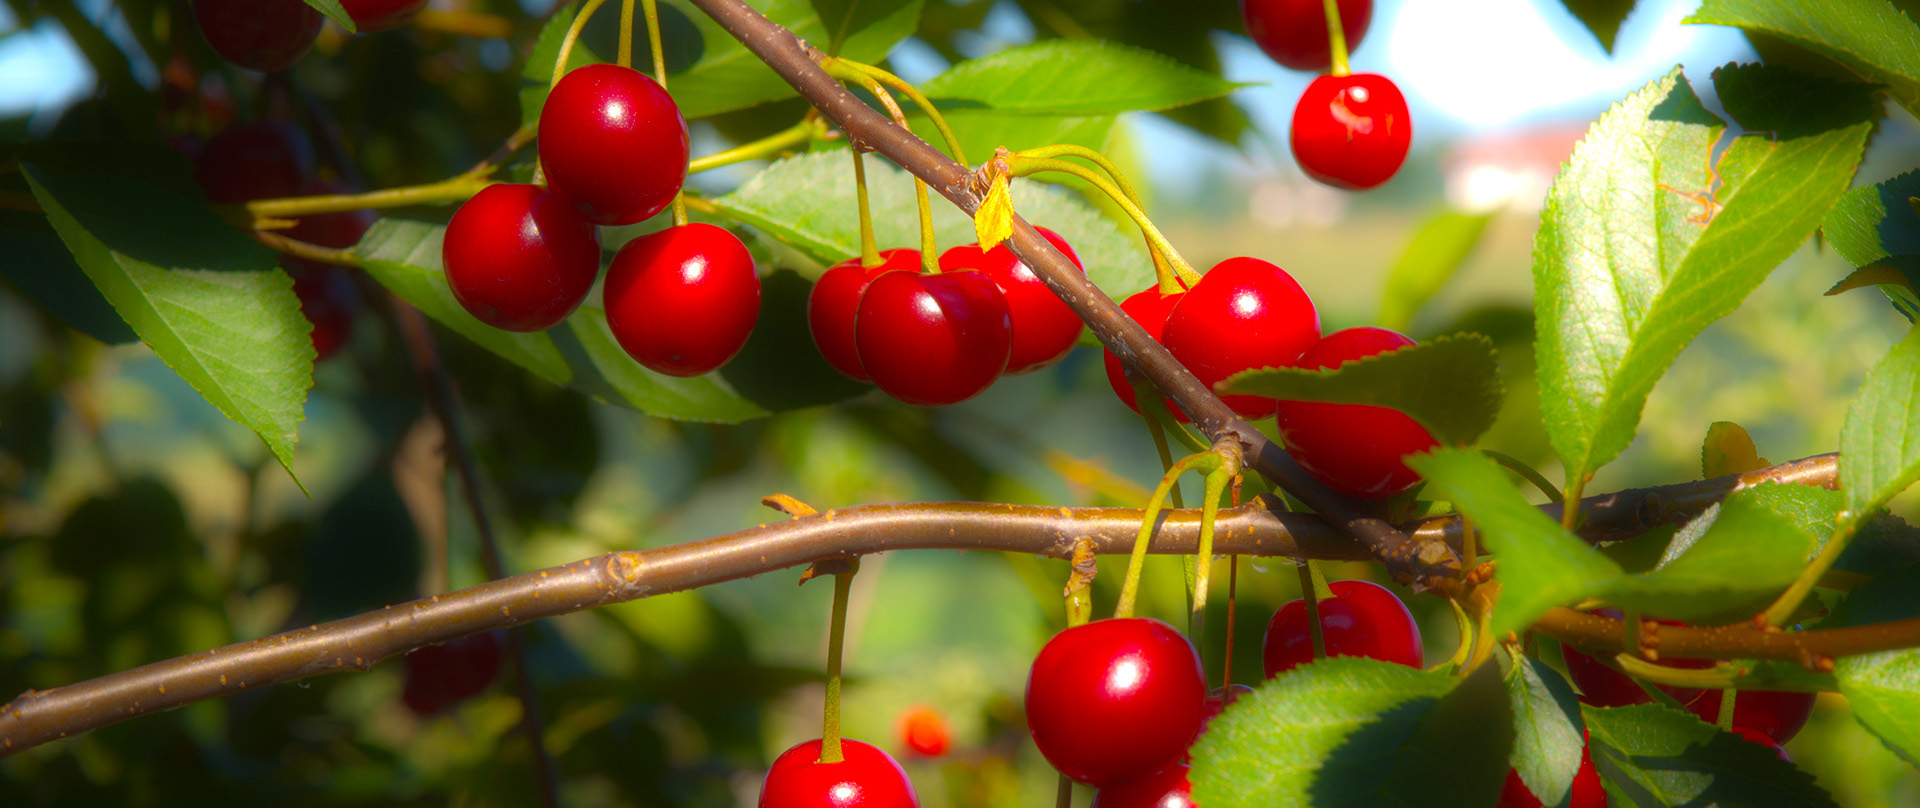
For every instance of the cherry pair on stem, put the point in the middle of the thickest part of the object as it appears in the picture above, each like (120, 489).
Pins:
(1350, 130)
(270, 35)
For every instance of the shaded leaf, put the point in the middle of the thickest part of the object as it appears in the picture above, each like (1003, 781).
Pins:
(1450, 751)
(334, 12)
(42, 269)
(1876, 225)
(1548, 729)
(1883, 688)
(1749, 554)
(1870, 37)
(1430, 259)
(843, 18)
(1450, 385)
(1652, 756)
(1602, 17)
(1728, 449)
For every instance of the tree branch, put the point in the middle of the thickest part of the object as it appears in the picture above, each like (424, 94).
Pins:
(1422, 563)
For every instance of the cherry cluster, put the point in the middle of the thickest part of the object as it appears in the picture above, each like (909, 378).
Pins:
(270, 35)
(441, 676)
(1350, 130)
(681, 301)
(269, 160)
(1246, 313)
(938, 338)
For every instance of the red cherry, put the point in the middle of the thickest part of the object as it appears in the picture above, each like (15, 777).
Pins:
(254, 161)
(1351, 131)
(264, 35)
(1149, 308)
(1602, 686)
(924, 731)
(1361, 619)
(328, 299)
(836, 297)
(1586, 793)
(1354, 448)
(382, 15)
(440, 676)
(1168, 789)
(932, 340)
(613, 143)
(684, 300)
(1778, 715)
(1294, 32)
(1044, 327)
(866, 778)
(1113, 700)
(520, 258)
(1759, 737)
(1245, 313)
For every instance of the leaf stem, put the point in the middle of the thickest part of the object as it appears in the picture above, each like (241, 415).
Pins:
(1526, 472)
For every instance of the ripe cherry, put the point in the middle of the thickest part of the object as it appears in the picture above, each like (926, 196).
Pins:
(1351, 131)
(1114, 700)
(328, 299)
(683, 301)
(1586, 792)
(1778, 715)
(1760, 738)
(1602, 686)
(924, 731)
(1170, 788)
(440, 676)
(1361, 619)
(1294, 32)
(932, 340)
(382, 15)
(254, 161)
(1044, 327)
(613, 143)
(835, 299)
(1149, 308)
(1356, 449)
(264, 35)
(1244, 313)
(520, 258)
(866, 778)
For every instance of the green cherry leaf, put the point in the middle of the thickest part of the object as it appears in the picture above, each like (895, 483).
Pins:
(1450, 385)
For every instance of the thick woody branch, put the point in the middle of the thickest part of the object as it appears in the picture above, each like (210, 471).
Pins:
(1418, 562)
(1814, 650)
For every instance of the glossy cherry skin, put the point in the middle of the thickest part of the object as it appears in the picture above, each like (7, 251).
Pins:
(683, 301)
(1760, 738)
(1362, 619)
(440, 676)
(264, 35)
(1170, 788)
(866, 778)
(1149, 308)
(1354, 448)
(1294, 32)
(1115, 700)
(613, 143)
(383, 15)
(923, 731)
(1586, 792)
(519, 258)
(1351, 131)
(254, 161)
(836, 298)
(1778, 715)
(1044, 328)
(1602, 686)
(1245, 313)
(932, 340)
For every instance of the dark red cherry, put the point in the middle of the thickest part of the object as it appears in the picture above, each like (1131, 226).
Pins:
(1760, 738)
(519, 258)
(866, 778)
(336, 230)
(1149, 308)
(382, 15)
(1114, 700)
(440, 676)
(683, 301)
(1602, 686)
(1167, 789)
(932, 340)
(1586, 792)
(328, 299)
(1351, 131)
(1245, 313)
(613, 143)
(265, 35)
(1776, 714)
(836, 298)
(1044, 328)
(1362, 619)
(1294, 32)
(1354, 448)
(254, 161)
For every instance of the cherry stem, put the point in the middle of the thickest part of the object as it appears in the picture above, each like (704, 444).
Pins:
(1160, 267)
(847, 71)
(1063, 798)
(1781, 612)
(763, 148)
(1336, 38)
(1233, 587)
(1130, 590)
(456, 189)
(913, 94)
(626, 33)
(1725, 720)
(1313, 589)
(1185, 276)
(1156, 430)
(1464, 625)
(929, 250)
(1217, 481)
(836, 641)
(1152, 401)
(311, 252)
(573, 34)
(1647, 673)
(869, 249)
(1079, 589)
(1527, 472)
(652, 11)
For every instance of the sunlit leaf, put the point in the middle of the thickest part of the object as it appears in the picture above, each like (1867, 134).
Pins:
(1450, 385)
